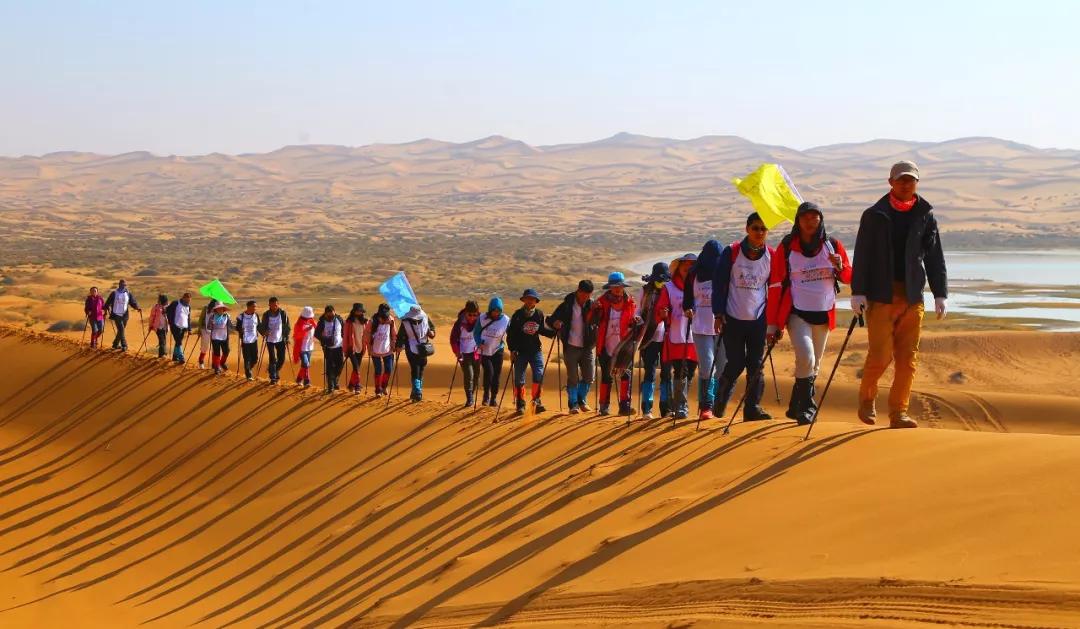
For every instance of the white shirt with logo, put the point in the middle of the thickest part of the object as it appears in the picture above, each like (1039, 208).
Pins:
(749, 287)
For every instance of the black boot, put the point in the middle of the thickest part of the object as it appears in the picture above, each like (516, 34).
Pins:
(797, 403)
(755, 388)
(808, 412)
(724, 389)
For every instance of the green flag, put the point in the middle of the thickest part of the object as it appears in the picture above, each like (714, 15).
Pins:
(216, 290)
(772, 194)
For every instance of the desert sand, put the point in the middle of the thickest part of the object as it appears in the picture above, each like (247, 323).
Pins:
(138, 492)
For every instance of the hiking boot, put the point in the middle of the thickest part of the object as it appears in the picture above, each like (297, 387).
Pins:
(901, 419)
(625, 409)
(574, 410)
(682, 413)
(520, 404)
(867, 412)
(250, 378)
(538, 407)
(705, 413)
(647, 415)
(724, 391)
(665, 408)
(755, 413)
(584, 408)
(603, 410)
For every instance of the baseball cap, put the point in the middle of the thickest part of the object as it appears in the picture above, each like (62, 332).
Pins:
(899, 169)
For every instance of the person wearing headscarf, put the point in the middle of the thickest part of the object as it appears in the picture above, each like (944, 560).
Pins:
(380, 342)
(414, 336)
(697, 303)
(303, 334)
(807, 270)
(466, 351)
(678, 355)
(356, 330)
(490, 337)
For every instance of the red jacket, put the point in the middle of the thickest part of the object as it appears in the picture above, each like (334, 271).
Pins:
(779, 305)
(600, 312)
(672, 351)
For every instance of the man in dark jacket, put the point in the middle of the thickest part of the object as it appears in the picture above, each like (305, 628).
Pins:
(578, 338)
(117, 306)
(523, 338)
(275, 330)
(178, 314)
(897, 251)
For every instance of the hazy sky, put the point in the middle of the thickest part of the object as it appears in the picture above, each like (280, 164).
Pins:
(194, 77)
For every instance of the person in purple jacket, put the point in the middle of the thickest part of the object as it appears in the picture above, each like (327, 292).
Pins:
(95, 315)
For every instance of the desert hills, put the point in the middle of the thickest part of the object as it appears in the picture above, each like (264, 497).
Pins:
(137, 492)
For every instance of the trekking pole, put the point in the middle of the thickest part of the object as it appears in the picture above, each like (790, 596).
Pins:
(857, 319)
(292, 365)
(596, 380)
(393, 379)
(775, 384)
(633, 376)
(191, 350)
(453, 377)
(143, 344)
(685, 375)
(558, 357)
(759, 372)
(502, 396)
(258, 365)
(550, 349)
(476, 380)
(712, 371)
(367, 371)
(85, 325)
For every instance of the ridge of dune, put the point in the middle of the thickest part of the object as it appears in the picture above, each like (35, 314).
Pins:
(137, 492)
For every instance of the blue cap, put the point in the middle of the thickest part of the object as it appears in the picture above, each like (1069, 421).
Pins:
(530, 292)
(616, 279)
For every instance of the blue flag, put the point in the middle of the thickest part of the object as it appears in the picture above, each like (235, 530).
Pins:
(399, 294)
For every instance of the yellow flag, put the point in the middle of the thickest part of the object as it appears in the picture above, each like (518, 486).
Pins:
(771, 192)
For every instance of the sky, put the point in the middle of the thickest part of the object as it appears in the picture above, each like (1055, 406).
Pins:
(197, 77)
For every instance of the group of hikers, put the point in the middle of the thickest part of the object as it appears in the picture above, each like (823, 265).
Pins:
(717, 315)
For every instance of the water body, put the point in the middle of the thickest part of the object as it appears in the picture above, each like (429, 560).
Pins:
(1041, 286)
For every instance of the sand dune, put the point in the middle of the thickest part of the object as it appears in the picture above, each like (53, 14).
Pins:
(136, 492)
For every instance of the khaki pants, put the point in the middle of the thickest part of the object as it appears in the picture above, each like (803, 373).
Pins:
(893, 331)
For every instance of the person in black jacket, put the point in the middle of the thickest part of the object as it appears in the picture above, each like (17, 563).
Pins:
(578, 338)
(178, 314)
(330, 334)
(276, 331)
(523, 338)
(117, 307)
(247, 327)
(897, 251)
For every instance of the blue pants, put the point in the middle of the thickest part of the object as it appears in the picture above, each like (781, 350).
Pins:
(383, 364)
(305, 359)
(536, 361)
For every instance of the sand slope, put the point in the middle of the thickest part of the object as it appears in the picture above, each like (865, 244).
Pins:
(135, 492)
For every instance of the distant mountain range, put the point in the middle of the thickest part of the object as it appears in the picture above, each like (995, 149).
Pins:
(979, 185)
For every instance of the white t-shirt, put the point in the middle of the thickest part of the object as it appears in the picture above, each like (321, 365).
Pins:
(704, 319)
(182, 315)
(492, 333)
(219, 327)
(677, 333)
(749, 287)
(274, 327)
(577, 326)
(380, 339)
(813, 287)
(248, 324)
(613, 334)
